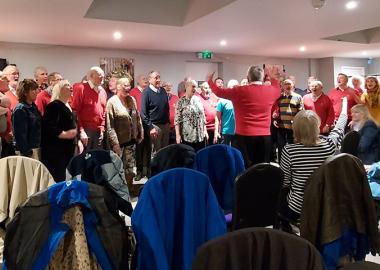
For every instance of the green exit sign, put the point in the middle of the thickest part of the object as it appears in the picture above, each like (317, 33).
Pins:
(205, 55)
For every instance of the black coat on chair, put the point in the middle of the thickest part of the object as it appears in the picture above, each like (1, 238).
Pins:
(256, 196)
(350, 143)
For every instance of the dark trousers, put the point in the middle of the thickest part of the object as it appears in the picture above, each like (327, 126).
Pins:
(228, 139)
(143, 155)
(211, 133)
(7, 149)
(162, 139)
(255, 149)
(284, 136)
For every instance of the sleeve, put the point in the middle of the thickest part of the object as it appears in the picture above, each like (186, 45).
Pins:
(285, 165)
(369, 135)
(219, 106)
(39, 103)
(110, 126)
(228, 93)
(77, 103)
(145, 110)
(330, 113)
(20, 131)
(177, 114)
(336, 135)
(51, 121)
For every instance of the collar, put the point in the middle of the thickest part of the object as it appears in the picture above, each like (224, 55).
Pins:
(154, 88)
(257, 83)
(315, 98)
(140, 88)
(93, 86)
(340, 89)
(13, 90)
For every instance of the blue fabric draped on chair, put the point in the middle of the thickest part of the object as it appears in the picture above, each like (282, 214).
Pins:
(176, 213)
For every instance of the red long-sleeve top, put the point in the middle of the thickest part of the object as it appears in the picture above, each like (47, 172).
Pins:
(323, 107)
(336, 96)
(42, 100)
(252, 105)
(137, 94)
(90, 106)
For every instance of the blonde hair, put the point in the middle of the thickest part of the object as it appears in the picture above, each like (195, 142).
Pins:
(363, 110)
(56, 92)
(372, 98)
(306, 127)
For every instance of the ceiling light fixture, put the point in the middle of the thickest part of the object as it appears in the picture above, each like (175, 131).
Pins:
(223, 43)
(302, 49)
(364, 53)
(351, 5)
(117, 35)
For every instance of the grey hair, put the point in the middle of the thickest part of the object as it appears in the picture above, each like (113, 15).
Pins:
(255, 73)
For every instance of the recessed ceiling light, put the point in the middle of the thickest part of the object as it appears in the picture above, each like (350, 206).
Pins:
(364, 53)
(302, 49)
(351, 5)
(223, 43)
(117, 35)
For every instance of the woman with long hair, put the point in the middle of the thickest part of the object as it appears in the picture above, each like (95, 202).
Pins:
(372, 98)
(59, 131)
(362, 121)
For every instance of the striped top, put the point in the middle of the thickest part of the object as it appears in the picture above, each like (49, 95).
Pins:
(289, 106)
(298, 162)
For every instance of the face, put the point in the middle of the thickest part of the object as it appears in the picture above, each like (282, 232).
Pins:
(370, 84)
(143, 82)
(112, 84)
(309, 82)
(206, 90)
(356, 115)
(191, 88)
(4, 84)
(356, 83)
(97, 78)
(219, 83)
(244, 82)
(13, 76)
(155, 79)
(168, 87)
(31, 96)
(123, 89)
(316, 89)
(342, 81)
(66, 91)
(287, 86)
(57, 79)
(42, 76)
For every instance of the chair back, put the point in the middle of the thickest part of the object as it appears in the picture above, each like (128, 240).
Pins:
(338, 211)
(257, 193)
(172, 156)
(350, 143)
(104, 168)
(176, 213)
(258, 248)
(222, 164)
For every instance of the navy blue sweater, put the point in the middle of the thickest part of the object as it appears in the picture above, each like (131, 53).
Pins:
(368, 149)
(154, 108)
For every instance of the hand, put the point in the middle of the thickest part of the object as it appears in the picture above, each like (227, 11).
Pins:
(275, 115)
(154, 133)
(68, 134)
(326, 129)
(83, 137)
(275, 124)
(116, 148)
(210, 77)
(178, 139)
(206, 135)
(80, 147)
(216, 137)
(5, 102)
(344, 105)
(351, 124)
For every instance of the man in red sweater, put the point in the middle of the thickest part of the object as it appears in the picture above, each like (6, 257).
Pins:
(89, 102)
(318, 102)
(337, 94)
(143, 149)
(43, 97)
(252, 105)
(142, 83)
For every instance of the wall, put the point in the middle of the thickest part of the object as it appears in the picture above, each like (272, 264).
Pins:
(374, 68)
(73, 62)
(326, 73)
(351, 62)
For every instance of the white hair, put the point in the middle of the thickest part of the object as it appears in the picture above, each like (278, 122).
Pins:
(232, 83)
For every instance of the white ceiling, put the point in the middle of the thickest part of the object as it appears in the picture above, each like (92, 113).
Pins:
(253, 27)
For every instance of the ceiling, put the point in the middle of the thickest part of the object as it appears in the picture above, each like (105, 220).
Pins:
(252, 27)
